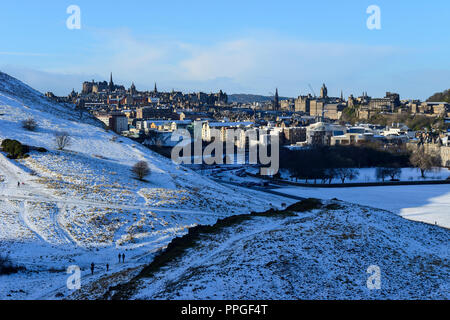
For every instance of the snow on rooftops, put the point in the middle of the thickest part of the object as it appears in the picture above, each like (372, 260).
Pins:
(230, 124)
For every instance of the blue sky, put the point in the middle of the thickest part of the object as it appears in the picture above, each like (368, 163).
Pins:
(238, 46)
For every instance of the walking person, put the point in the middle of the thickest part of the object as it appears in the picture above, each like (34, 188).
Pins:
(120, 256)
(107, 267)
(18, 184)
(92, 268)
(123, 257)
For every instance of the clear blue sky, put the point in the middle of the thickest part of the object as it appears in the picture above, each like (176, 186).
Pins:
(239, 46)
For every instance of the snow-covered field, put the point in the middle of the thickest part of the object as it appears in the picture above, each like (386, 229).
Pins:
(81, 205)
(426, 203)
(367, 175)
(322, 254)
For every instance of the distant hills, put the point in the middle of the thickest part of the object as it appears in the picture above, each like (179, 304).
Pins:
(440, 97)
(249, 98)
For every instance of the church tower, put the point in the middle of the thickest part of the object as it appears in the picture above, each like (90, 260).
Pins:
(324, 92)
(132, 89)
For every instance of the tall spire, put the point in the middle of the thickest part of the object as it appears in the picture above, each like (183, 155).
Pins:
(111, 83)
(156, 89)
(276, 103)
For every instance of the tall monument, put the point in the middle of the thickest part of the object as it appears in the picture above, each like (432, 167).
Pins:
(111, 84)
(276, 101)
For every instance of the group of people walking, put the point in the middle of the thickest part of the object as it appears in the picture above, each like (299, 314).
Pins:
(121, 259)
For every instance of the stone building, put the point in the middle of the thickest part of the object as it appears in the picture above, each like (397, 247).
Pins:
(333, 111)
(292, 135)
(156, 113)
(317, 108)
(302, 104)
(287, 105)
(118, 122)
(386, 104)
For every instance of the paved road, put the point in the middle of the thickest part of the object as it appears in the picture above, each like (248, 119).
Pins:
(285, 195)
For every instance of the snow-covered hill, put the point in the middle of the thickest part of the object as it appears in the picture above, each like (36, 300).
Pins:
(81, 205)
(321, 254)
(14, 92)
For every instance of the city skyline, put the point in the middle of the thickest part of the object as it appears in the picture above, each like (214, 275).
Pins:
(251, 48)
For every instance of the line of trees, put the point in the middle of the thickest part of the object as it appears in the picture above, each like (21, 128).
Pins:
(339, 162)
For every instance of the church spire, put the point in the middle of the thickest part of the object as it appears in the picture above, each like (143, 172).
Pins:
(276, 103)
(111, 83)
(156, 89)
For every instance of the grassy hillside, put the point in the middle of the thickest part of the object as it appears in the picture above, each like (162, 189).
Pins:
(440, 97)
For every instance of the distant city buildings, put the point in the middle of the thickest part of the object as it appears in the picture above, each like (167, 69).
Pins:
(307, 120)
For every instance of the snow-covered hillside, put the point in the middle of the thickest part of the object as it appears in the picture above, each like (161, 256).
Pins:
(14, 92)
(81, 205)
(320, 254)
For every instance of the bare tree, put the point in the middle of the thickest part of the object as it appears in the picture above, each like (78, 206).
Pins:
(141, 170)
(425, 161)
(381, 173)
(29, 124)
(347, 173)
(62, 140)
(394, 172)
(329, 175)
